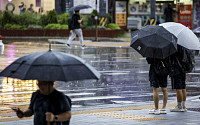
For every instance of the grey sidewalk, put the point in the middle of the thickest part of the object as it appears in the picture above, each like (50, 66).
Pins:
(133, 117)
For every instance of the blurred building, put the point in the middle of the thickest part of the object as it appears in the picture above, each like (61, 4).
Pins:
(122, 11)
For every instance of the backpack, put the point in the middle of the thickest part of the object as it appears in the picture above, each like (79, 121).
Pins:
(187, 63)
(71, 23)
(161, 68)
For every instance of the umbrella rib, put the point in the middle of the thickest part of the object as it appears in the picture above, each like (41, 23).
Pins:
(31, 64)
(61, 67)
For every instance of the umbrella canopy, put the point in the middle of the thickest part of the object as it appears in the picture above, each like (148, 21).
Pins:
(50, 66)
(186, 37)
(154, 42)
(79, 7)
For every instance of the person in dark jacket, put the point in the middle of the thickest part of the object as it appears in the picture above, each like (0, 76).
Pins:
(77, 30)
(158, 74)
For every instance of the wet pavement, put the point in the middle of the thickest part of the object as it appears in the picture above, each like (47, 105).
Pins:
(123, 87)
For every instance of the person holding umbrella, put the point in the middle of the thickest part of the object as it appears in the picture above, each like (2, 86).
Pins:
(187, 40)
(158, 74)
(156, 44)
(76, 30)
(48, 106)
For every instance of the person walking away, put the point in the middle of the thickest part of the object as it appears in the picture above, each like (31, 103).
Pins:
(178, 78)
(76, 30)
(30, 9)
(48, 105)
(158, 74)
(168, 14)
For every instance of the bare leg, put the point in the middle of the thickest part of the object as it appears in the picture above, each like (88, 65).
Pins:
(184, 94)
(156, 97)
(165, 97)
(179, 95)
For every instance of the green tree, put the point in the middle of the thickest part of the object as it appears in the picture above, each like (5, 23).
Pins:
(43, 21)
(63, 18)
(6, 18)
(52, 17)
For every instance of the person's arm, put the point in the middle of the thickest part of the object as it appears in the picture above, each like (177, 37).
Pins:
(79, 21)
(66, 116)
(21, 114)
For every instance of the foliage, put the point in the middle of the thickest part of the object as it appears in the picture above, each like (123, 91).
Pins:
(63, 18)
(43, 21)
(113, 26)
(26, 19)
(1, 15)
(6, 18)
(56, 26)
(89, 20)
(94, 27)
(50, 21)
(123, 36)
(14, 26)
(52, 17)
(34, 27)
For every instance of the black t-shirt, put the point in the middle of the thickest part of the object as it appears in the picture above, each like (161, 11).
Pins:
(76, 17)
(56, 103)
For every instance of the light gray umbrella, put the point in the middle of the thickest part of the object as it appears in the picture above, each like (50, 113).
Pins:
(50, 66)
(186, 37)
(79, 7)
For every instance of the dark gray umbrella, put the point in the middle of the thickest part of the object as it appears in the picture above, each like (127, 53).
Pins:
(79, 7)
(50, 66)
(154, 41)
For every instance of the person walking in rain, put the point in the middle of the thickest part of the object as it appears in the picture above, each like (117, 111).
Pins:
(158, 74)
(48, 106)
(76, 30)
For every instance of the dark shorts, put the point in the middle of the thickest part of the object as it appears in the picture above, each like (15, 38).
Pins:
(156, 80)
(178, 80)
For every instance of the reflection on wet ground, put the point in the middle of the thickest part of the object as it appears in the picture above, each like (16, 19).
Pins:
(124, 77)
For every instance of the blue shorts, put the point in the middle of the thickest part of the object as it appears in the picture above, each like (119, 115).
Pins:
(156, 80)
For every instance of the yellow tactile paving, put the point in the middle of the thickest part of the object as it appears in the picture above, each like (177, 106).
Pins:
(122, 109)
(126, 116)
(105, 112)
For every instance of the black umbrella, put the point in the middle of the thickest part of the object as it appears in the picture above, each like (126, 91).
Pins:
(79, 7)
(50, 66)
(154, 41)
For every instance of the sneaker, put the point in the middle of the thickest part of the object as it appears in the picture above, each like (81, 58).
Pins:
(83, 46)
(68, 46)
(176, 109)
(184, 109)
(155, 112)
(163, 111)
